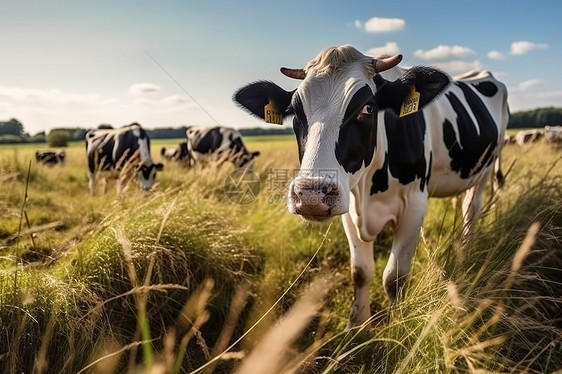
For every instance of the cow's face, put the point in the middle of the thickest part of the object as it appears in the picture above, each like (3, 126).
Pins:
(147, 175)
(335, 121)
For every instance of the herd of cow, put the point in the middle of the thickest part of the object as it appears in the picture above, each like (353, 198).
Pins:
(125, 153)
(375, 141)
(550, 134)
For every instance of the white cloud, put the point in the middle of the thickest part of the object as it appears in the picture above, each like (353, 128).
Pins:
(40, 110)
(522, 47)
(444, 51)
(138, 89)
(358, 24)
(378, 25)
(455, 67)
(495, 55)
(525, 85)
(390, 48)
(533, 98)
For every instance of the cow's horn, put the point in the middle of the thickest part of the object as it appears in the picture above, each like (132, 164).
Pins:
(386, 63)
(294, 73)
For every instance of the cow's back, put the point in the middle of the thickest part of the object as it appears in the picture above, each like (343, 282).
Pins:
(466, 127)
(112, 149)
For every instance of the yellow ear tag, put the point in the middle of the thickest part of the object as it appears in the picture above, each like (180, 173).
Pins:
(411, 103)
(272, 115)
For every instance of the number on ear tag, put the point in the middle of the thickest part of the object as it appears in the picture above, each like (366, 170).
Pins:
(411, 103)
(272, 115)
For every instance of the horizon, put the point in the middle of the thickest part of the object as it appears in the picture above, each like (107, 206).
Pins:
(174, 63)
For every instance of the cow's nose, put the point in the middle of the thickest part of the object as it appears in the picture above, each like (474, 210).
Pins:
(314, 198)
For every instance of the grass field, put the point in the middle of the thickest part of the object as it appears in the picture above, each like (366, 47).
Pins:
(183, 280)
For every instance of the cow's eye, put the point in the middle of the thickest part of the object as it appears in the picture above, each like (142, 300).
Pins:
(368, 109)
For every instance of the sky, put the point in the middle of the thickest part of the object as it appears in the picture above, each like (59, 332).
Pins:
(77, 63)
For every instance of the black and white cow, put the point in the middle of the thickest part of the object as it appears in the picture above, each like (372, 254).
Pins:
(361, 159)
(178, 153)
(553, 134)
(218, 145)
(525, 137)
(50, 156)
(119, 153)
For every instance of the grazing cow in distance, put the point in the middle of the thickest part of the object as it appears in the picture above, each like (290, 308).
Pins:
(375, 141)
(218, 145)
(178, 153)
(553, 134)
(508, 139)
(120, 153)
(50, 157)
(528, 136)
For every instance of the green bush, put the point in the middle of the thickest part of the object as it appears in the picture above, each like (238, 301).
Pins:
(57, 138)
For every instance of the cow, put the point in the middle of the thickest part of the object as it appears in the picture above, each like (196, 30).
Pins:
(525, 137)
(119, 153)
(553, 134)
(508, 139)
(178, 153)
(50, 157)
(218, 145)
(375, 141)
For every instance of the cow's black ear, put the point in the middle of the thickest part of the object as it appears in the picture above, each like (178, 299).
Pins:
(255, 96)
(159, 166)
(429, 82)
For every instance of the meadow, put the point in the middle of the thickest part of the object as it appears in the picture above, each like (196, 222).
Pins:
(184, 280)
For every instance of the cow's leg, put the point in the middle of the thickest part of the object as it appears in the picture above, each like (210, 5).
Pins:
(121, 183)
(472, 204)
(104, 185)
(404, 245)
(92, 183)
(362, 270)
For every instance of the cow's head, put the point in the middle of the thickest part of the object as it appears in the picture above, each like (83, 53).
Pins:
(147, 175)
(335, 111)
(245, 159)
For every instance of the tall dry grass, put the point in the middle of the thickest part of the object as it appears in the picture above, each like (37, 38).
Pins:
(181, 280)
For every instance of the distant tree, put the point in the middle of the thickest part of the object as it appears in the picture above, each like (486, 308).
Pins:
(9, 138)
(40, 137)
(77, 134)
(536, 118)
(105, 126)
(11, 127)
(57, 138)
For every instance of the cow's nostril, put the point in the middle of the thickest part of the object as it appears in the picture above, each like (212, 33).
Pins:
(324, 190)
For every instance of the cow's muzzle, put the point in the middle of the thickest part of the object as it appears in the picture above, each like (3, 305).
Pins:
(315, 198)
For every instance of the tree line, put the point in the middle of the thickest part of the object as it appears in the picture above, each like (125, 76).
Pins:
(13, 131)
(536, 118)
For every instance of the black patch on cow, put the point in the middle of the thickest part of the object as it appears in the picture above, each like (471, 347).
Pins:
(113, 150)
(300, 125)
(406, 151)
(380, 177)
(146, 170)
(209, 142)
(183, 151)
(359, 277)
(488, 89)
(429, 82)
(476, 150)
(255, 96)
(127, 145)
(358, 136)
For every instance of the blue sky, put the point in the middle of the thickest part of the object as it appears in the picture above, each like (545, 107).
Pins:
(81, 63)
